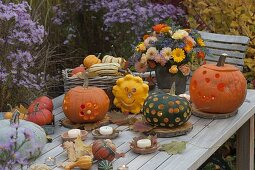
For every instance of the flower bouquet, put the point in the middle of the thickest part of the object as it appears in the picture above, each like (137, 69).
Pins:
(171, 51)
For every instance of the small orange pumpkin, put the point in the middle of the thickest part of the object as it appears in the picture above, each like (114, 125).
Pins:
(77, 70)
(90, 60)
(85, 104)
(218, 88)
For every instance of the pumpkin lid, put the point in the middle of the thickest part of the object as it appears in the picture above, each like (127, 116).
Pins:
(226, 67)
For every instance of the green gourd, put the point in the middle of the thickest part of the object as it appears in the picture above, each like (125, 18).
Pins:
(32, 147)
(166, 110)
(105, 165)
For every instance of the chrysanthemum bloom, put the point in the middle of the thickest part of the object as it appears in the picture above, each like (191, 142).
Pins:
(178, 55)
(158, 27)
(200, 42)
(180, 34)
(173, 69)
(151, 53)
(188, 48)
(143, 59)
(141, 47)
(185, 69)
(166, 53)
(189, 40)
(160, 59)
(149, 41)
(141, 67)
(145, 36)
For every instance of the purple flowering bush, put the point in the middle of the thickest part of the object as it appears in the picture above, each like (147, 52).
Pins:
(20, 41)
(125, 21)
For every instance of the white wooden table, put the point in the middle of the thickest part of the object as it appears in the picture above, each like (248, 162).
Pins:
(205, 138)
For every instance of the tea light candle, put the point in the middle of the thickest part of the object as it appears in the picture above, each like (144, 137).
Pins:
(143, 143)
(123, 167)
(106, 130)
(73, 133)
(50, 161)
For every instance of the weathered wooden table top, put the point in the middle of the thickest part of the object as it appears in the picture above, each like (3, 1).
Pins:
(205, 138)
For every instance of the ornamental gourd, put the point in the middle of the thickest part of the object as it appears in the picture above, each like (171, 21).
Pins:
(104, 150)
(42, 102)
(218, 88)
(84, 162)
(112, 59)
(90, 60)
(130, 93)
(83, 104)
(30, 148)
(166, 110)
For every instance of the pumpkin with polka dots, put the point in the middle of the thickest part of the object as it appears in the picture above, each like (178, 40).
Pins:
(165, 110)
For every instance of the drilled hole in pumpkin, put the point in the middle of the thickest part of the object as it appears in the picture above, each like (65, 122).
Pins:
(213, 97)
(207, 80)
(204, 72)
(194, 85)
(82, 113)
(221, 86)
(217, 75)
(82, 106)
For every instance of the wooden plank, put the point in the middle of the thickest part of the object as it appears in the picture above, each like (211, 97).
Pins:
(226, 46)
(225, 38)
(233, 54)
(245, 146)
(233, 61)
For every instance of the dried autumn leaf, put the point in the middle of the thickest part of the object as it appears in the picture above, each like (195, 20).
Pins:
(174, 147)
(118, 118)
(21, 109)
(141, 126)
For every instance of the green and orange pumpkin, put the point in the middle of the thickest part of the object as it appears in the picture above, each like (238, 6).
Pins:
(165, 110)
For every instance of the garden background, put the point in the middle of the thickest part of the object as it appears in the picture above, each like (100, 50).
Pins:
(40, 38)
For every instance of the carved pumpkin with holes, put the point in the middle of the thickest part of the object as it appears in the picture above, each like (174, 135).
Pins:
(85, 104)
(130, 93)
(218, 88)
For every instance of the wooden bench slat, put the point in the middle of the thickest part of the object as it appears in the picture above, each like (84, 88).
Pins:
(226, 46)
(234, 61)
(234, 54)
(225, 38)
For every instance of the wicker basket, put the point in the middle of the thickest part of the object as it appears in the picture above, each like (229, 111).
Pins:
(103, 82)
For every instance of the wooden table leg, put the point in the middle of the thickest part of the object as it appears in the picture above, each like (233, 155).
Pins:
(245, 146)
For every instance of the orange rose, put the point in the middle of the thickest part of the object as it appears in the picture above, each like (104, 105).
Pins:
(185, 69)
(145, 36)
(158, 27)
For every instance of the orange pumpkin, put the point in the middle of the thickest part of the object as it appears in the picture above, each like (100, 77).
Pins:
(218, 88)
(104, 150)
(90, 60)
(85, 104)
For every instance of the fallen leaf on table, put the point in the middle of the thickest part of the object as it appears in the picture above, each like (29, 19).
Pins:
(81, 149)
(140, 126)
(21, 109)
(174, 147)
(118, 118)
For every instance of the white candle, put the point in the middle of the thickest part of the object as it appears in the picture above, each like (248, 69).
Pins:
(123, 167)
(106, 130)
(185, 96)
(73, 133)
(143, 143)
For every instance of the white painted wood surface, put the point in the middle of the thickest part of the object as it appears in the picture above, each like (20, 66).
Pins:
(205, 138)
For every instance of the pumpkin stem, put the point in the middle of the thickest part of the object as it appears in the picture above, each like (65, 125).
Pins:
(15, 117)
(99, 54)
(221, 60)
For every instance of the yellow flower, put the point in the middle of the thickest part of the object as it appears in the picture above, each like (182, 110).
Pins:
(141, 47)
(178, 55)
(165, 29)
(173, 69)
(188, 48)
(200, 42)
(180, 34)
